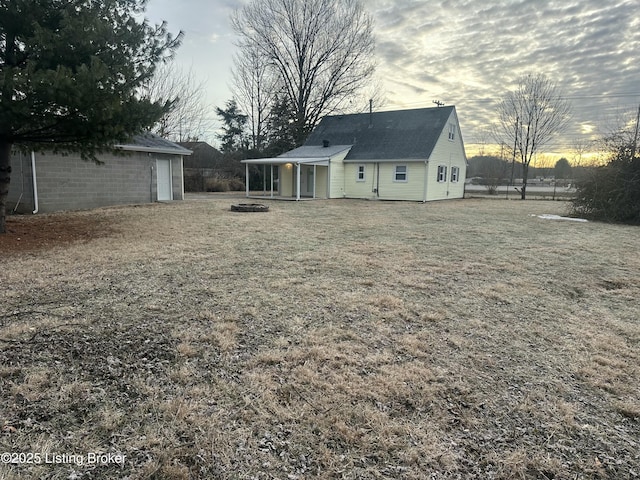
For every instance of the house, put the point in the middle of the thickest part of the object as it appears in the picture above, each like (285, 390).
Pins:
(147, 169)
(413, 155)
(203, 157)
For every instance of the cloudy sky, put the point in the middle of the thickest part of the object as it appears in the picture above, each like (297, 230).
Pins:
(462, 52)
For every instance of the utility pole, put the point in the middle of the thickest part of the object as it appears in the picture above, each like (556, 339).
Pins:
(635, 135)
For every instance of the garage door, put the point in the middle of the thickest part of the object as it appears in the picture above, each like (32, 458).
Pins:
(163, 167)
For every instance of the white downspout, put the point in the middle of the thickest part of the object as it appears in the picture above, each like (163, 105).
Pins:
(36, 205)
(298, 182)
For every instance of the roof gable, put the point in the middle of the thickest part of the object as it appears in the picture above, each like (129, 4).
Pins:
(400, 134)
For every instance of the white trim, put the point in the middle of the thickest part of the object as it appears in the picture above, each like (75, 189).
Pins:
(246, 176)
(182, 177)
(271, 180)
(322, 161)
(426, 181)
(36, 205)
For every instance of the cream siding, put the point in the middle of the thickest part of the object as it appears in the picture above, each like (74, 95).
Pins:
(449, 153)
(321, 182)
(412, 189)
(337, 176)
(360, 189)
(287, 180)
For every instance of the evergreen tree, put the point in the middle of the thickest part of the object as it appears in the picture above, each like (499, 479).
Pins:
(70, 76)
(562, 169)
(280, 128)
(234, 122)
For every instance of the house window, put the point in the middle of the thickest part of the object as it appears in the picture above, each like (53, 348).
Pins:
(442, 173)
(360, 173)
(400, 173)
(455, 174)
(452, 131)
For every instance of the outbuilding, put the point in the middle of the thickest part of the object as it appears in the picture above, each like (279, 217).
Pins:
(146, 169)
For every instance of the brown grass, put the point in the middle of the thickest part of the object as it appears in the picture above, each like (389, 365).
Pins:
(327, 339)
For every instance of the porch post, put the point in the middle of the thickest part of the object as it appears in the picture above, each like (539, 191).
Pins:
(246, 174)
(264, 179)
(272, 180)
(315, 171)
(298, 181)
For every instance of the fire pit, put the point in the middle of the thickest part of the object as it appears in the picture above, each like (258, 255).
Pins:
(249, 207)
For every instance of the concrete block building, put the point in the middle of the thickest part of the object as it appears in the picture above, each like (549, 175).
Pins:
(147, 169)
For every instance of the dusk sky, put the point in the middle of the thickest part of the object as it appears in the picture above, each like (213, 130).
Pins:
(466, 53)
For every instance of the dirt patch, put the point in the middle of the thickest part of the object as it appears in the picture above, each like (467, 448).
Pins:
(37, 232)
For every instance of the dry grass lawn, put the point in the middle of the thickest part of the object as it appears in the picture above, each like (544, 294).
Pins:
(331, 339)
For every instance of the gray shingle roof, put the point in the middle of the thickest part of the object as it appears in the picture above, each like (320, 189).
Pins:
(149, 142)
(401, 134)
(315, 151)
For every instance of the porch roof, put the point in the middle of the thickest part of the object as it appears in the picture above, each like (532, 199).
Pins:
(306, 155)
(283, 161)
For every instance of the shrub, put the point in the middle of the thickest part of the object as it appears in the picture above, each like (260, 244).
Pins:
(235, 184)
(611, 193)
(219, 184)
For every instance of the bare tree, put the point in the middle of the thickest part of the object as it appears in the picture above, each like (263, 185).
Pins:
(255, 89)
(530, 116)
(579, 148)
(320, 50)
(187, 119)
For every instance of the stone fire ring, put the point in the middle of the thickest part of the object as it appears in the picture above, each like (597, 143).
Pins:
(249, 207)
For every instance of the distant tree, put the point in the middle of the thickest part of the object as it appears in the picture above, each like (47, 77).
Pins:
(70, 76)
(530, 116)
(187, 118)
(234, 123)
(562, 169)
(280, 129)
(321, 52)
(255, 86)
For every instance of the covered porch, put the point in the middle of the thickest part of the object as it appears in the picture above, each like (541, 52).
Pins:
(297, 178)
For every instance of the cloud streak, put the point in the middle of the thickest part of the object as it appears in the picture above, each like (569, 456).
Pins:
(471, 52)
(463, 52)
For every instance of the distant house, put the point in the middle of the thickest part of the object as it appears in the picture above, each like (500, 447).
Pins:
(147, 169)
(398, 155)
(204, 156)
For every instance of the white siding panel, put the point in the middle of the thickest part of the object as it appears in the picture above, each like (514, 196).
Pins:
(450, 154)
